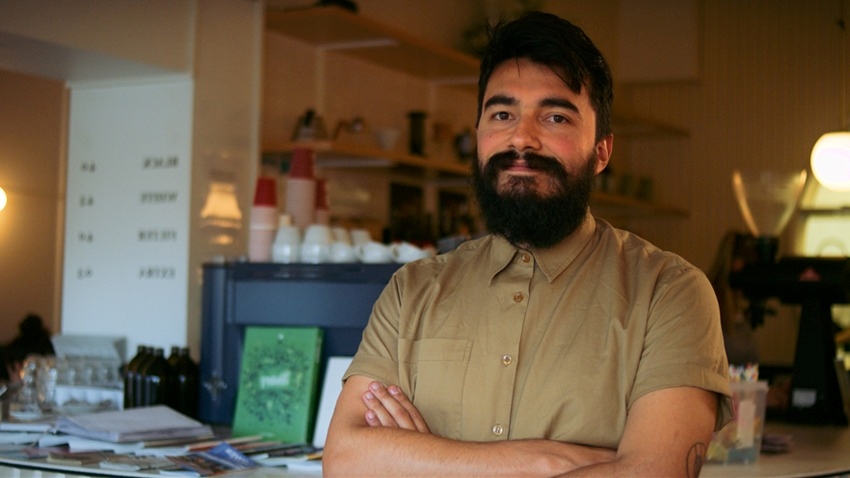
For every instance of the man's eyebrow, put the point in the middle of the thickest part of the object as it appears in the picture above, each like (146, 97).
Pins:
(505, 100)
(560, 102)
(502, 100)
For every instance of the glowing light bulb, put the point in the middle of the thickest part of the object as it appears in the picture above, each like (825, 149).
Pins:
(3, 199)
(831, 161)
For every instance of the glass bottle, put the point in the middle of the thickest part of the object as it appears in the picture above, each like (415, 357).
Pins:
(139, 378)
(130, 371)
(174, 355)
(187, 382)
(158, 380)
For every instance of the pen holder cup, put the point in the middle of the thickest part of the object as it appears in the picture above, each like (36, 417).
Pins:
(739, 441)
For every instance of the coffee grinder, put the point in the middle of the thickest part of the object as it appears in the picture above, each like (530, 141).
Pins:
(819, 382)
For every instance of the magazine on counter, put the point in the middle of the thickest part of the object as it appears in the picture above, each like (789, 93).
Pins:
(156, 422)
(221, 458)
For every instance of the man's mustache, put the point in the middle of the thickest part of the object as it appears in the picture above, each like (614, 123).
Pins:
(505, 159)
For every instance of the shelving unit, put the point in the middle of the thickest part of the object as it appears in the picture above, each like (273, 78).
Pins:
(346, 156)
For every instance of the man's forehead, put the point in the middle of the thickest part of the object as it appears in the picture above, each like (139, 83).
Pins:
(526, 75)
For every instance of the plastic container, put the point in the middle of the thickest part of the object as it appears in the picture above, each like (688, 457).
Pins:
(739, 441)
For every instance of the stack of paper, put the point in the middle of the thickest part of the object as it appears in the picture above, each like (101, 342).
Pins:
(136, 424)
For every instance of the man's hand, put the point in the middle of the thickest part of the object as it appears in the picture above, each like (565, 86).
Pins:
(390, 407)
(377, 431)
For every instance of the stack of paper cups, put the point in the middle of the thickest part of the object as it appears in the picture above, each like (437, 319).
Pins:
(264, 221)
(323, 213)
(301, 188)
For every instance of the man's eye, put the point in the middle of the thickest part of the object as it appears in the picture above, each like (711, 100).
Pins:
(502, 116)
(559, 119)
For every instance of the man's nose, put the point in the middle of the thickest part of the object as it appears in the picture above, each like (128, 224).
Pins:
(526, 135)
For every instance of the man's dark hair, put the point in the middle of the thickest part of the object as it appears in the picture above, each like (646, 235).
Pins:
(549, 40)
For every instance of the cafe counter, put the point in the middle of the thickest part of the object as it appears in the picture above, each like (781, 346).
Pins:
(817, 451)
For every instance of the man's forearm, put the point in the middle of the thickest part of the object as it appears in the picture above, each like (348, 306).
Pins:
(398, 452)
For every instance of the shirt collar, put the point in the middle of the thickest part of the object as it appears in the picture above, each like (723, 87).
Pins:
(552, 261)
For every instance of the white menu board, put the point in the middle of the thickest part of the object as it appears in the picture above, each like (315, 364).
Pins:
(127, 212)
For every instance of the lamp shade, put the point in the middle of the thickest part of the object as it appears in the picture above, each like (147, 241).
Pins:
(831, 160)
(2, 199)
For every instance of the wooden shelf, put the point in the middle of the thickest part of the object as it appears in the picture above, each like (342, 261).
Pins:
(342, 156)
(333, 28)
(332, 155)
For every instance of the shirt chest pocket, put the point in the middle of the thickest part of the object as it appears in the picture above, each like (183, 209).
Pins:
(435, 371)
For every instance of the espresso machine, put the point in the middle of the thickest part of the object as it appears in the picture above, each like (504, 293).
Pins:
(820, 388)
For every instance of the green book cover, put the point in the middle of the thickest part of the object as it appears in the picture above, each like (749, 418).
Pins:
(278, 383)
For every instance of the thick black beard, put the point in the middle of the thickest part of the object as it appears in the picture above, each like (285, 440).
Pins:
(522, 215)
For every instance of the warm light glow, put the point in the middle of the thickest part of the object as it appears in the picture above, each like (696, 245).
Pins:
(3, 199)
(221, 214)
(831, 161)
(221, 208)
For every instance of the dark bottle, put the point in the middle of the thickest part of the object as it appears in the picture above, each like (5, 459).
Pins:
(139, 379)
(130, 371)
(158, 379)
(174, 355)
(417, 132)
(186, 377)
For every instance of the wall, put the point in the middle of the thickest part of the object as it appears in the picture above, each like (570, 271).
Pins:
(32, 121)
(153, 33)
(213, 44)
(770, 87)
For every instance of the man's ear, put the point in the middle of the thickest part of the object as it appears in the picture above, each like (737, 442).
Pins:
(603, 152)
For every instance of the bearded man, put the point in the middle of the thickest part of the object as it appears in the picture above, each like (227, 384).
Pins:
(555, 345)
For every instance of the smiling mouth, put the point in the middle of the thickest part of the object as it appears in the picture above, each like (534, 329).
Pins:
(513, 163)
(522, 167)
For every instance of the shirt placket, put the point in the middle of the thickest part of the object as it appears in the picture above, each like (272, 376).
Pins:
(513, 286)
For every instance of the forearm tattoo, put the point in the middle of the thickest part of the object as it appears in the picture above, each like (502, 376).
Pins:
(695, 460)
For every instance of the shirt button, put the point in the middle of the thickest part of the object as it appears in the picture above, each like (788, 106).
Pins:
(526, 258)
(506, 360)
(498, 430)
(518, 297)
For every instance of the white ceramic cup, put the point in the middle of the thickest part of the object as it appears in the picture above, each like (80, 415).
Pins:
(387, 138)
(286, 253)
(287, 245)
(341, 234)
(342, 253)
(288, 234)
(313, 253)
(316, 246)
(373, 252)
(360, 236)
(404, 252)
(318, 234)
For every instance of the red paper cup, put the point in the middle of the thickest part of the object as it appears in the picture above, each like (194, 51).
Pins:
(301, 166)
(266, 192)
(322, 194)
